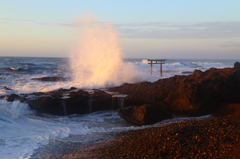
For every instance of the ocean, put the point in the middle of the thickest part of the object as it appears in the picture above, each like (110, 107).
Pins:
(27, 134)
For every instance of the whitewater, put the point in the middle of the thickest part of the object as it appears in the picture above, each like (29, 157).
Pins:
(96, 62)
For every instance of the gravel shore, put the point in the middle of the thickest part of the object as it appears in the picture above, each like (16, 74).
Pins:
(213, 137)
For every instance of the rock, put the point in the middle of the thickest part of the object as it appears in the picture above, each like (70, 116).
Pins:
(67, 102)
(197, 94)
(47, 105)
(228, 111)
(6, 88)
(12, 97)
(144, 115)
(52, 79)
(237, 65)
(100, 100)
(77, 103)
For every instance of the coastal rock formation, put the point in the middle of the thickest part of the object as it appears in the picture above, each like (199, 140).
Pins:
(66, 102)
(144, 115)
(52, 79)
(12, 97)
(47, 105)
(196, 94)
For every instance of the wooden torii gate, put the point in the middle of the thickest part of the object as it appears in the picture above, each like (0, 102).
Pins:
(156, 61)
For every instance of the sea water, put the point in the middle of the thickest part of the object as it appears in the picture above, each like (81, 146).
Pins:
(23, 130)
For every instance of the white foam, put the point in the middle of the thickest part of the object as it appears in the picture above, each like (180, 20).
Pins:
(96, 61)
(14, 109)
(22, 131)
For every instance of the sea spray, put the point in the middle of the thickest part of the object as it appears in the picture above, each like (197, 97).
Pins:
(96, 61)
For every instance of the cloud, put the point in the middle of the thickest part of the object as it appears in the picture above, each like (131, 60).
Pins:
(159, 30)
(14, 20)
(230, 44)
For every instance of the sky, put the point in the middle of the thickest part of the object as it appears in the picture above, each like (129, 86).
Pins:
(187, 29)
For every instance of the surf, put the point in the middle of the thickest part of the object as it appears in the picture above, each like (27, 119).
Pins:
(96, 60)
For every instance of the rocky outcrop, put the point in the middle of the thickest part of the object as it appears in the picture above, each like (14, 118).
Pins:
(144, 115)
(13, 97)
(196, 94)
(52, 79)
(66, 102)
(47, 105)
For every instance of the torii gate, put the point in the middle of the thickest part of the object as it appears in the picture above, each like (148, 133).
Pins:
(156, 61)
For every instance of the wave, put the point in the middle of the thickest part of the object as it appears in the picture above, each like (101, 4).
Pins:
(17, 68)
(145, 61)
(14, 109)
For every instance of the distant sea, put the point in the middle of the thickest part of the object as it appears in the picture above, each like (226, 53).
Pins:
(23, 131)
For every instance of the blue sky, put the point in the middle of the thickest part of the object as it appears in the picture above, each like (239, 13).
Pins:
(147, 29)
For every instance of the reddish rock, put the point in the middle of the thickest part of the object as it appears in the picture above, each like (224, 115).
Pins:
(196, 94)
(144, 115)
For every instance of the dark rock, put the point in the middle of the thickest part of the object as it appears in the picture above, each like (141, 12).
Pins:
(6, 88)
(77, 102)
(144, 115)
(100, 100)
(237, 65)
(81, 102)
(52, 79)
(196, 94)
(47, 105)
(12, 97)
(186, 72)
(73, 88)
(229, 111)
(52, 102)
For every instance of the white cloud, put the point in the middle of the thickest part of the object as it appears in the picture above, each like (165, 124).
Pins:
(180, 30)
(230, 44)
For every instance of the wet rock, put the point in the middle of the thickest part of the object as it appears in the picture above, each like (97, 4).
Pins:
(144, 115)
(52, 79)
(197, 94)
(77, 103)
(47, 105)
(12, 97)
(69, 101)
(100, 100)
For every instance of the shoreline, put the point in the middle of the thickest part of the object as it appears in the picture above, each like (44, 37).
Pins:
(60, 147)
(213, 137)
(57, 146)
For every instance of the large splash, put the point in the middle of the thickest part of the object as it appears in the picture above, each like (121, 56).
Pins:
(96, 61)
